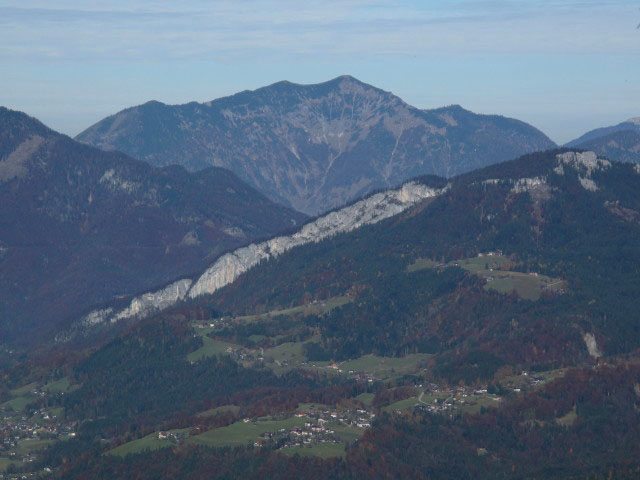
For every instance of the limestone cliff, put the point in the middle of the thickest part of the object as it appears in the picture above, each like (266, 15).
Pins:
(231, 265)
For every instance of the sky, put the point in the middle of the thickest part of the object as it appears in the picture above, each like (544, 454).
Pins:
(563, 66)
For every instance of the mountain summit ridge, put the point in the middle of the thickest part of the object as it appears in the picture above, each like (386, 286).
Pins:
(315, 147)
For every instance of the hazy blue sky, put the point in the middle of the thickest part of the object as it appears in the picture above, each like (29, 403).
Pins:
(564, 66)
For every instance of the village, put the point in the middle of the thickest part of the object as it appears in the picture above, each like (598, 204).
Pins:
(25, 433)
(322, 425)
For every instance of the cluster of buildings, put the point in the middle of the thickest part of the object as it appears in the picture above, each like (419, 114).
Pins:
(15, 433)
(319, 427)
(299, 436)
(175, 437)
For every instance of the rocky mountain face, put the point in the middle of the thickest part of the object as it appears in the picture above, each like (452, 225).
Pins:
(315, 147)
(619, 146)
(226, 269)
(80, 226)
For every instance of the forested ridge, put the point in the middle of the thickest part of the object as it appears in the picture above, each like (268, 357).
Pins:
(491, 332)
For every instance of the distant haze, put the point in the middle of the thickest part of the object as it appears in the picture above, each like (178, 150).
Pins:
(565, 67)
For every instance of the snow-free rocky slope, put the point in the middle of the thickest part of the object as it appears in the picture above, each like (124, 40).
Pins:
(226, 269)
(316, 147)
(79, 226)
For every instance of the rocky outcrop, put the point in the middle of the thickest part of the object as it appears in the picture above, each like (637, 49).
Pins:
(231, 265)
(150, 302)
(370, 210)
(592, 345)
(585, 163)
(527, 184)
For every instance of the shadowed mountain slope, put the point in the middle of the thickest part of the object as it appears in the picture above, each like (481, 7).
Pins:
(79, 226)
(619, 146)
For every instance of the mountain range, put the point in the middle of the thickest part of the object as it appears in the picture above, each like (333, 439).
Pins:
(178, 321)
(316, 147)
(80, 226)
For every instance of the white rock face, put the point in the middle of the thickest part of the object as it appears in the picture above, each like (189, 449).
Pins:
(526, 184)
(370, 210)
(635, 120)
(583, 160)
(153, 301)
(97, 316)
(592, 345)
(491, 181)
(585, 163)
(588, 184)
(139, 307)
(111, 179)
(230, 266)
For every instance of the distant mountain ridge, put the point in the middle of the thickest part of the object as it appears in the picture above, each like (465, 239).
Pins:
(79, 226)
(633, 124)
(620, 143)
(315, 147)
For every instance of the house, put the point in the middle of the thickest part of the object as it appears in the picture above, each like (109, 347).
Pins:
(162, 435)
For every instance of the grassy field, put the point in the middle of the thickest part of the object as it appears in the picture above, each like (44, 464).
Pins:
(317, 308)
(385, 367)
(61, 385)
(5, 462)
(345, 433)
(16, 404)
(145, 444)
(21, 391)
(32, 445)
(322, 450)
(406, 404)
(209, 348)
(568, 419)
(241, 433)
(366, 398)
(475, 402)
(290, 351)
(421, 264)
(495, 269)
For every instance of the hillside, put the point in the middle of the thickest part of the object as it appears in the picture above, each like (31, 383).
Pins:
(80, 226)
(619, 146)
(566, 224)
(466, 327)
(315, 147)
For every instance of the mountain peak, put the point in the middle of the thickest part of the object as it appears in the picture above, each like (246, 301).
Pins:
(316, 147)
(634, 120)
